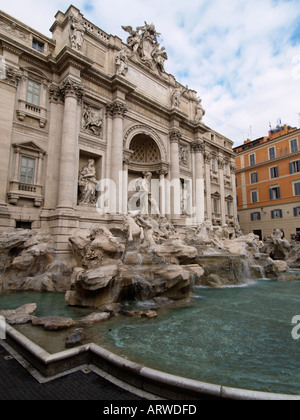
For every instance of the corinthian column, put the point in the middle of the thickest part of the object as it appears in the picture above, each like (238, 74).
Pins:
(117, 111)
(198, 149)
(67, 193)
(222, 190)
(175, 137)
(207, 158)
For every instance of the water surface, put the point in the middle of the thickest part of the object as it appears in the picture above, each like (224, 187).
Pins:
(235, 336)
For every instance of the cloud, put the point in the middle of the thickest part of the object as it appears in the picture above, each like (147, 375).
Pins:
(240, 56)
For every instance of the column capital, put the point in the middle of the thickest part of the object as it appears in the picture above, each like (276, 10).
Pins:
(197, 146)
(232, 168)
(221, 163)
(207, 156)
(162, 172)
(116, 109)
(175, 135)
(70, 87)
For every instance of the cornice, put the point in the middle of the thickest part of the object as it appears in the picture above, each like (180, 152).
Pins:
(268, 162)
(69, 57)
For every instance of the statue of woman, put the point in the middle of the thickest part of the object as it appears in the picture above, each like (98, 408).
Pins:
(87, 183)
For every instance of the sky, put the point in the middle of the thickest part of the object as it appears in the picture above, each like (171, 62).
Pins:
(241, 56)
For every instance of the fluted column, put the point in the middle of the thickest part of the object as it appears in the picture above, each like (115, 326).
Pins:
(198, 149)
(117, 111)
(233, 186)
(207, 157)
(67, 194)
(175, 137)
(222, 190)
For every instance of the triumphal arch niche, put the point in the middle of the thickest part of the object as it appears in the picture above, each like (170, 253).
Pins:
(147, 167)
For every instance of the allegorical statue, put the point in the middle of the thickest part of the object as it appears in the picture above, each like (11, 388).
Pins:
(143, 197)
(200, 112)
(122, 62)
(77, 34)
(145, 46)
(87, 183)
(176, 95)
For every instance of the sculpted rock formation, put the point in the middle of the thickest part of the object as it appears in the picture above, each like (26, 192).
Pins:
(27, 262)
(143, 258)
(142, 262)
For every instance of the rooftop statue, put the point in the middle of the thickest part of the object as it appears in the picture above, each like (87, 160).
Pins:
(145, 46)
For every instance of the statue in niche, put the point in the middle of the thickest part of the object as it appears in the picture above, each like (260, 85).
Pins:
(77, 35)
(177, 93)
(91, 120)
(145, 46)
(87, 183)
(142, 187)
(121, 62)
(200, 112)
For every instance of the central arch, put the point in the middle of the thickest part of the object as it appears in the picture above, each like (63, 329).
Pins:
(142, 130)
(145, 150)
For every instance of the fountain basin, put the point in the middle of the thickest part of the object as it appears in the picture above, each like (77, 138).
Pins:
(237, 337)
(150, 380)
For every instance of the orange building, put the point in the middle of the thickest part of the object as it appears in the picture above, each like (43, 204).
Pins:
(268, 183)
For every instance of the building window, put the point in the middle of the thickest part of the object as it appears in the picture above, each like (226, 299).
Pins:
(229, 208)
(37, 45)
(297, 188)
(254, 178)
(33, 92)
(252, 159)
(254, 196)
(213, 165)
(27, 170)
(274, 172)
(294, 145)
(276, 214)
(295, 167)
(275, 193)
(272, 154)
(296, 211)
(255, 216)
(216, 205)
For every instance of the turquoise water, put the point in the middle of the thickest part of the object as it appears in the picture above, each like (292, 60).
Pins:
(48, 304)
(235, 336)
(239, 337)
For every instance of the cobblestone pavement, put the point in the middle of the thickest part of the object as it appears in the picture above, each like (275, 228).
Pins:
(16, 383)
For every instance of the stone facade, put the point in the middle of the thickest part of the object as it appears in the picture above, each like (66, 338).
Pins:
(85, 107)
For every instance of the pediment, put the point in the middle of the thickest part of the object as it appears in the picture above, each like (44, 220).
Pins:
(29, 146)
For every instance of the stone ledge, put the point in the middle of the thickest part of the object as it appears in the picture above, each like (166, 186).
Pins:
(150, 380)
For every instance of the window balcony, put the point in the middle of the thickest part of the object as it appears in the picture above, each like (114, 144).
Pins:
(26, 109)
(20, 190)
